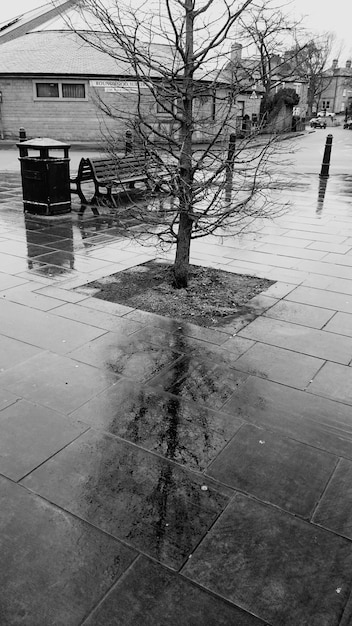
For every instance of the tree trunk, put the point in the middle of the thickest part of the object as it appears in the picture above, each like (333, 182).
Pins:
(185, 187)
(181, 265)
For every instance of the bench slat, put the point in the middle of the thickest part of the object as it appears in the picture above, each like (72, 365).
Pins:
(109, 172)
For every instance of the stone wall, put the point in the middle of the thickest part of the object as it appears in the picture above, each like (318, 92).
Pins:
(65, 120)
(102, 116)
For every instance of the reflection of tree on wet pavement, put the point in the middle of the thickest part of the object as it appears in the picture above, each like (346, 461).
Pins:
(153, 504)
(153, 497)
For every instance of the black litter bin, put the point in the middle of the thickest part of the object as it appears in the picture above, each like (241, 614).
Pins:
(45, 178)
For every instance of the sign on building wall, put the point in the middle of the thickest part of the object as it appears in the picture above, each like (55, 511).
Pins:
(115, 86)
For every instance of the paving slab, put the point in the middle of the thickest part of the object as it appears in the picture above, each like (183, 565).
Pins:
(299, 415)
(279, 365)
(301, 339)
(134, 357)
(200, 381)
(144, 500)
(292, 251)
(55, 381)
(14, 352)
(335, 507)
(93, 317)
(41, 548)
(340, 323)
(304, 314)
(181, 431)
(333, 381)
(327, 269)
(30, 434)
(316, 236)
(150, 594)
(274, 469)
(7, 398)
(43, 330)
(337, 285)
(7, 281)
(328, 299)
(286, 570)
(25, 294)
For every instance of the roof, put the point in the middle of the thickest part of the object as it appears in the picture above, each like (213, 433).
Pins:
(52, 42)
(65, 52)
(345, 72)
(34, 19)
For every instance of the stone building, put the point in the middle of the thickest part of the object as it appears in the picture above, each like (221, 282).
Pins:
(55, 84)
(337, 94)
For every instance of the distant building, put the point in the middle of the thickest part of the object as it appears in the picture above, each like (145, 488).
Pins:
(54, 84)
(246, 74)
(337, 94)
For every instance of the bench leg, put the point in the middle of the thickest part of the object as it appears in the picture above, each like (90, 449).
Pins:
(81, 195)
(88, 206)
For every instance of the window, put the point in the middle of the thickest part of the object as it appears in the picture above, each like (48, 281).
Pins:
(326, 104)
(298, 88)
(59, 90)
(240, 108)
(47, 90)
(165, 104)
(73, 90)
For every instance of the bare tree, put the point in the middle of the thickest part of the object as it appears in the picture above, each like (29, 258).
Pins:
(268, 32)
(311, 58)
(177, 54)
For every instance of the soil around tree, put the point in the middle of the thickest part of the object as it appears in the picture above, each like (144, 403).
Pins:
(212, 298)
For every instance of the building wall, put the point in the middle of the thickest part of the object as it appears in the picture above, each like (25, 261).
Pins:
(338, 90)
(104, 115)
(329, 97)
(71, 120)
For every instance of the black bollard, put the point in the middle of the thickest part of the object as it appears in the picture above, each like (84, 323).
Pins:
(324, 173)
(229, 167)
(22, 134)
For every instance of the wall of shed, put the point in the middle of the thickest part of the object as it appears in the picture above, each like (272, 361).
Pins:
(89, 120)
(71, 120)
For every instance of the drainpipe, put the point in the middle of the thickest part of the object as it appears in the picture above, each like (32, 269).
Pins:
(1, 121)
(336, 80)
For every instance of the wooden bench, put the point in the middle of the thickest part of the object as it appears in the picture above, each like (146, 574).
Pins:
(110, 173)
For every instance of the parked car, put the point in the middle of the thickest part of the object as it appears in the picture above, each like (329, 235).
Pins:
(325, 114)
(348, 124)
(317, 122)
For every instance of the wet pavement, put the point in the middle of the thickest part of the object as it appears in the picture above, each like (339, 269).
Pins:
(155, 472)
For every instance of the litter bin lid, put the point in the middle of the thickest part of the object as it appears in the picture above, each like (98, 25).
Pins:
(43, 142)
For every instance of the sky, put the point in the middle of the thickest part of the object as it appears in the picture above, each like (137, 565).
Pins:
(320, 15)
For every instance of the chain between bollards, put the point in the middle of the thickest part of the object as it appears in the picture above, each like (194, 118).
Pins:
(324, 172)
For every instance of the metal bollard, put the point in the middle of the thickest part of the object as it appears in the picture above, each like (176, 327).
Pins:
(229, 167)
(324, 172)
(22, 134)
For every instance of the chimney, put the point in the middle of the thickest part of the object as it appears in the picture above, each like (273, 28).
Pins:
(334, 64)
(348, 64)
(236, 52)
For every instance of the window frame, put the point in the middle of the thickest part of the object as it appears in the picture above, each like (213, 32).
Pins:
(60, 97)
